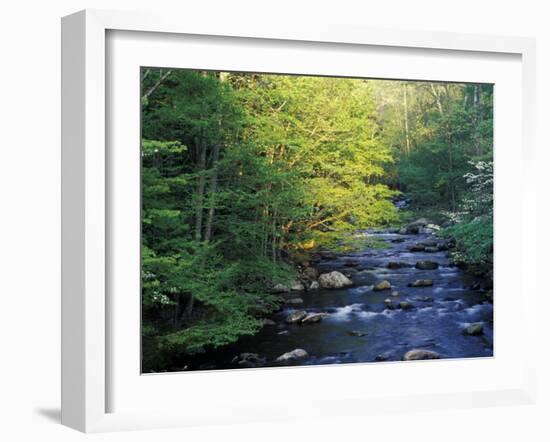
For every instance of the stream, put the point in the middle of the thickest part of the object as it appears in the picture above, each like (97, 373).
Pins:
(360, 327)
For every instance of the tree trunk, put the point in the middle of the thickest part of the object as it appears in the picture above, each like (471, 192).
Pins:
(406, 108)
(200, 193)
(212, 193)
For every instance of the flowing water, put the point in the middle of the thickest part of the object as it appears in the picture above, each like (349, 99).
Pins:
(438, 316)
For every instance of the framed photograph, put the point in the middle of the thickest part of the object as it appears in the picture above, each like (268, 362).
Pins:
(262, 223)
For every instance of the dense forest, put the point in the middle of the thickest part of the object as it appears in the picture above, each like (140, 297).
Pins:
(246, 177)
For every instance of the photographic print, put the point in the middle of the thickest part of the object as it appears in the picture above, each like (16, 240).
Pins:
(297, 220)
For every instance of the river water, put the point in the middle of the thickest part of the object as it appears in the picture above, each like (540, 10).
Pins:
(435, 322)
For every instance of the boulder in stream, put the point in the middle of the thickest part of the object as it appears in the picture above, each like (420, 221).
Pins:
(314, 286)
(431, 249)
(426, 265)
(248, 360)
(292, 357)
(280, 288)
(417, 354)
(334, 280)
(417, 248)
(421, 283)
(474, 329)
(382, 285)
(314, 318)
(396, 265)
(297, 286)
(405, 305)
(295, 317)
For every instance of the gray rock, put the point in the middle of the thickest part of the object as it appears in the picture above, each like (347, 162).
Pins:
(421, 283)
(358, 333)
(396, 265)
(417, 248)
(280, 288)
(248, 360)
(382, 285)
(293, 357)
(395, 294)
(426, 265)
(474, 329)
(418, 354)
(334, 280)
(314, 285)
(295, 317)
(269, 322)
(405, 305)
(297, 287)
(427, 243)
(431, 249)
(313, 318)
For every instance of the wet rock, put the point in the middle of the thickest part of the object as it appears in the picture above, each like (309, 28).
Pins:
(295, 301)
(426, 265)
(283, 333)
(416, 248)
(395, 294)
(418, 354)
(280, 288)
(428, 243)
(358, 333)
(396, 265)
(297, 287)
(295, 317)
(388, 301)
(383, 285)
(416, 226)
(248, 360)
(421, 283)
(474, 329)
(405, 305)
(349, 272)
(293, 357)
(334, 280)
(431, 249)
(269, 322)
(313, 318)
(314, 285)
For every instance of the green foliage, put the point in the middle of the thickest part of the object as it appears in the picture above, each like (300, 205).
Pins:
(474, 243)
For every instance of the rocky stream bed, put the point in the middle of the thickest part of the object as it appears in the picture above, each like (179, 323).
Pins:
(402, 302)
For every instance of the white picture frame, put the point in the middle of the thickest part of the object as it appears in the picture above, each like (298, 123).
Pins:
(87, 356)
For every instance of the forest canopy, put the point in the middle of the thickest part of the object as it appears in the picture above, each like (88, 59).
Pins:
(245, 175)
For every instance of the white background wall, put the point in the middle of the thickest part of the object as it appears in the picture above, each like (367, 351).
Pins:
(30, 220)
